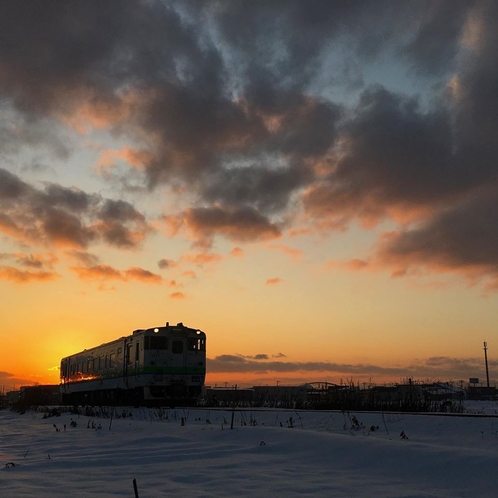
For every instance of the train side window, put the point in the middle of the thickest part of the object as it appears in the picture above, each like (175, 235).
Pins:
(106, 361)
(101, 362)
(177, 347)
(129, 354)
(111, 360)
(137, 351)
(89, 367)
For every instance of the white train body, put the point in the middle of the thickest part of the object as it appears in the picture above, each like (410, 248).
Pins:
(153, 365)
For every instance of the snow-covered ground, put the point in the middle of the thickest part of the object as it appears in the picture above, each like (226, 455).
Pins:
(268, 453)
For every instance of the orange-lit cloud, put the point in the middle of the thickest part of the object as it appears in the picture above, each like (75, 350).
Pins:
(142, 275)
(67, 217)
(300, 231)
(294, 253)
(37, 260)
(106, 273)
(441, 245)
(237, 252)
(274, 281)
(201, 259)
(177, 295)
(23, 276)
(91, 113)
(242, 224)
(166, 263)
(352, 264)
(134, 157)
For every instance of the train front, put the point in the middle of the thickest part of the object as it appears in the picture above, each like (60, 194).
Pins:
(175, 361)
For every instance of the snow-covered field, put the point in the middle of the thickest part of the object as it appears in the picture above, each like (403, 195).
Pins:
(268, 453)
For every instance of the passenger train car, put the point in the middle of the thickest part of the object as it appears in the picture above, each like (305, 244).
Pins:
(160, 365)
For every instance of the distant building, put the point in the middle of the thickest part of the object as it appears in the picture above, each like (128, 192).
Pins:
(12, 397)
(482, 393)
(41, 395)
(226, 396)
(284, 396)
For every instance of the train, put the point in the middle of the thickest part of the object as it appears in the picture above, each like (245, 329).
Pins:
(157, 366)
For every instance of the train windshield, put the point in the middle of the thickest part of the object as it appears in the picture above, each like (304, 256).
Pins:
(155, 342)
(197, 344)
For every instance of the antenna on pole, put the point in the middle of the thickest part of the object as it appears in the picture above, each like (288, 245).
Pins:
(486, 362)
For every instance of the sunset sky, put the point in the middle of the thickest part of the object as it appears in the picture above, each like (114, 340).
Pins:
(314, 184)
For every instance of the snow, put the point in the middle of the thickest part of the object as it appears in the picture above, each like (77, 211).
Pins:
(267, 453)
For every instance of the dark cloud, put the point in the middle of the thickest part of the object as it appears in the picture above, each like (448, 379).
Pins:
(395, 156)
(234, 104)
(10, 381)
(85, 258)
(104, 273)
(11, 186)
(66, 216)
(462, 239)
(442, 368)
(257, 357)
(166, 263)
(244, 224)
(36, 260)
(13, 274)
(435, 45)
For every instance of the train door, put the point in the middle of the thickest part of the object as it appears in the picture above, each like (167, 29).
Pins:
(179, 359)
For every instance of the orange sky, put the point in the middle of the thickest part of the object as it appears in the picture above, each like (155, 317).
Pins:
(311, 184)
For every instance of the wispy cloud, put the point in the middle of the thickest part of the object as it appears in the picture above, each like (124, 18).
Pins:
(274, 281)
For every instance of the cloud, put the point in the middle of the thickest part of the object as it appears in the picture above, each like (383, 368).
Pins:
(85, 258)
(142, 275)
(24, 276)
(239, 225)
(105, 273)
(12, 381)
(459, 240)
(261, 114)
(293, 252)
(67, 217)
(135, 158)
(257, 357)
(201, 259)
(237, 252)
(442, 368)
(177, 295)
(274, 281)
(166, 263)
(32, 260)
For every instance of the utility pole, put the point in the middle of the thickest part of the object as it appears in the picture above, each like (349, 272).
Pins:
(486, 362)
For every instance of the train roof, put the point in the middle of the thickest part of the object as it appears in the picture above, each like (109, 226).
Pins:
(179, 326)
